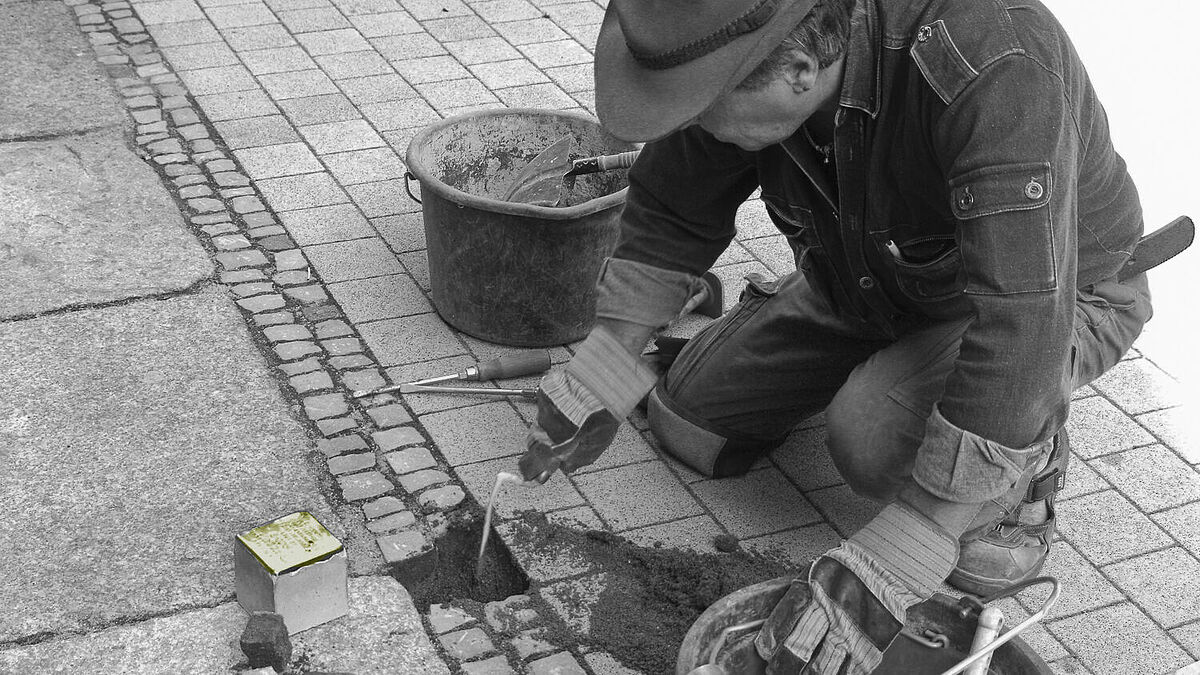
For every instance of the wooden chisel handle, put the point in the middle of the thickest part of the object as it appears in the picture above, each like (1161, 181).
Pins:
(510, 365)
(623, 160)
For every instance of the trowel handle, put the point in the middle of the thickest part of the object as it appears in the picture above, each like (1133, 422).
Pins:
(623, 160)
(511, 365)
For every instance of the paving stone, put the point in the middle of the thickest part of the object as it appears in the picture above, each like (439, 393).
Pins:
(237, 105)
(309, 382)
(334, 137)
(289, 193)
(400, 114)
(845, 511)
(546, 96)
(333, 328)
(1153, 478)
(403, 232)
(273, 318)
(313, 19)
(365, 485)
(323, 406)
(496, 665)
(410, 460)
(1127, 532)
(603, 663)
(562, 663)
(290, 351)
(261, 303)
(308, 295)
(249, 38)
(758, 503)
(255, 132)
(386, 23)
(501, 74)
(349, 362)
(381, 297)
(637, 495)
(365, 166)
(695, 533)
(477, 433)
(363, 380)
(356, 259)
(332, 447)
(219, 80)
(480, 478)
(326, 224)
(407, 47)
(296, 84)
(390, 416)
(204, 55)
(557, 53)
(532, 643)
(278, 242)
(354, 8)
(1097, 427)
(1178, 429)
(419, 480)
(1143, 649)
(1181, 524)
(1189, 637)
(292, 278)
(333, 427)
(288, 332)
(496, 11)
(457, 93)
(445, 498)
(431, 69)
(1138, 386)
(404, 547)
(240, 15)
(409, 340)
(402, 520)
(284, 159)
(319, 109)
(250, 290)
(352, 463)
(383, 198)
(432, 9)
(467, 644)
(376, 89)
(333, 41)
(241, 276)
(346, 65)
(384, 506)
(1164, 584)
(390, 439)
(445, 618)
(342, 346)
(797, 547)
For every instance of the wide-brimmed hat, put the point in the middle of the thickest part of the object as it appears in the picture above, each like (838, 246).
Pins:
(660, 63)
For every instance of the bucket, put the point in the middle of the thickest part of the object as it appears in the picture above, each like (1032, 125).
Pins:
(505, 272)
(711, 645)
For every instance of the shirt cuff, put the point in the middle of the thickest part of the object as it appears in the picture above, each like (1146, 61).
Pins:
(959, 466)
(642, 294)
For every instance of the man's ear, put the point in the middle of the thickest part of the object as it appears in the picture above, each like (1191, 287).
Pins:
(801, 71)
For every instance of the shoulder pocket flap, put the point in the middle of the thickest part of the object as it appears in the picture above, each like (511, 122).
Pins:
(998, 189)
(943, 65)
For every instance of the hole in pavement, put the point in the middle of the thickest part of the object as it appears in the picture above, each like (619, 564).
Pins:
(453, 574)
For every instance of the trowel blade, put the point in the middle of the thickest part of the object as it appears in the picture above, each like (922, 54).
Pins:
(541, 180)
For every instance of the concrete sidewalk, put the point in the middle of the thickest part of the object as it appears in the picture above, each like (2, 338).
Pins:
(280, 127)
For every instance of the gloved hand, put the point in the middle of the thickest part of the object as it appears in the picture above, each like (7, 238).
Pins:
(857, 595)
(581, 406)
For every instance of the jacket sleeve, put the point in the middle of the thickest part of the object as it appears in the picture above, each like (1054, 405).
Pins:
(1010, 147)
(684, 192)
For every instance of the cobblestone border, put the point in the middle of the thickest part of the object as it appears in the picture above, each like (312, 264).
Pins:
(393, 482)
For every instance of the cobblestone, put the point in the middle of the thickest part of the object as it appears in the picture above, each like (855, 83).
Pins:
(390, 439)
(446, 618)
(332, 447)
(352, 463)
(445, 498)
(310, 382)
(410, 460)
(419, 480)
(401, 520)
(467, 644)
(262, 303)
(333, 427)
(362, 380)
(389, 415)
(405, 547)
(286, 333)
(350, 362)
(496, 665)
(384, 506)
(325, 405)
(290, 351)
(364, 485)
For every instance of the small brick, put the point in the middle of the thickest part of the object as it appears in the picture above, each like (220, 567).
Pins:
(364, 485)
(290, 351)
(273, 318)
(286, 333)
(445, 618)
(277, 242)
(381, 507)
(342, 464)
(321, 312)
(389, 415)
(219, 229)
(419, 480)
(561, 663)
(230, 242)
(397, 521)
(501, 615)
(348, 362)
(466, 644)
(189, 180)
(410, 460)
(192, 191)
(324, 406)
(230, 179)
(309, 295)
(241, 259)
(293, 278)
(530, 643)
(262, 303)
(247, 205)
(252, 289)
(333, 427)
(341, 346)
(496, 665)
(332, 447)
(209, 218)
(290, 260)
(310, 382)
(241, 276)
(263, 219)
(363, 380)
(390, 439)
(402, 546)
(332, 329)
(445, 498)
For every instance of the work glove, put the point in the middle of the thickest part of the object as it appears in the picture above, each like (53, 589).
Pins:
(581, 406)
(857, 595)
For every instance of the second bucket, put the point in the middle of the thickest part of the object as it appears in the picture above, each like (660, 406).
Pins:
(504, 272)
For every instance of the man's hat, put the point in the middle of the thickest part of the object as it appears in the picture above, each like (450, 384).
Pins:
(660, 63)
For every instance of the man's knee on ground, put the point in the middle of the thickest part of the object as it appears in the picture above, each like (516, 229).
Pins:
(871, 441)
(702, 446)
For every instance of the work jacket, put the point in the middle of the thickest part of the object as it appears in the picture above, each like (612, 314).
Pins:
(973, 175)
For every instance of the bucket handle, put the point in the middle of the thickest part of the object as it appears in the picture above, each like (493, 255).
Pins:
(408, 188)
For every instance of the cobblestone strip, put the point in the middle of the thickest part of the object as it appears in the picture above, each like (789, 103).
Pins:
(384, 464)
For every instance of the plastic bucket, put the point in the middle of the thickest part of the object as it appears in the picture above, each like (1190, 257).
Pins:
(515, 274)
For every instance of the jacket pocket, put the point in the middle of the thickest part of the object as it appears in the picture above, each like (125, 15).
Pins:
(1005, 226)
(929, 269)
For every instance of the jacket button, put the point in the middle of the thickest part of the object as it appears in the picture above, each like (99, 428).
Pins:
(924, 33)
(866, 283)
(965, 199)
(1034, 189)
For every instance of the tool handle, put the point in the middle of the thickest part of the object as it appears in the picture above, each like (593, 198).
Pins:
(511, 365)
(623, 160)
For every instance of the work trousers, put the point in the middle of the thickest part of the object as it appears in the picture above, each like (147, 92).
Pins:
(780, 356)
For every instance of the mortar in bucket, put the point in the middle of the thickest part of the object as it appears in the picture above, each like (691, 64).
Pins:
(939, 635)
(506, 272)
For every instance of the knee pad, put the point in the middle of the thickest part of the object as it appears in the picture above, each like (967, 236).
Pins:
(701, 446)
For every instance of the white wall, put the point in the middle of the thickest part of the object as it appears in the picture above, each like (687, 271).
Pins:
(1142, 57)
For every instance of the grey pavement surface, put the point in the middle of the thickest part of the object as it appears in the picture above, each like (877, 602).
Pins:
(325, 256)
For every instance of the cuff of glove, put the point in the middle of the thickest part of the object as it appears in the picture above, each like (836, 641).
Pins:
(642, 294)
(615, 377)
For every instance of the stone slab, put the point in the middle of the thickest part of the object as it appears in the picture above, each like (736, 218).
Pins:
(135, 442)
(381, 634)
(83, 220)
(51, 83)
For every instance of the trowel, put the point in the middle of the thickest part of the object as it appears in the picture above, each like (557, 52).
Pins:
(543, 181)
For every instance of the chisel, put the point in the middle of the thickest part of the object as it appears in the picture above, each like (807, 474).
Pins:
(511, 365)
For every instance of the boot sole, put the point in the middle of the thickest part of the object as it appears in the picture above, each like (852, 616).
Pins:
(975, 584)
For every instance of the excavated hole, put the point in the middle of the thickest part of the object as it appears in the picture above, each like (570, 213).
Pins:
(453, 574)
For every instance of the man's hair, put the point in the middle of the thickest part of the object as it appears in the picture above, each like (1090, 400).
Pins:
(822, 34)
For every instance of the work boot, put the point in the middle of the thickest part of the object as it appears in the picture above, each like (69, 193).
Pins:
(1013, 547)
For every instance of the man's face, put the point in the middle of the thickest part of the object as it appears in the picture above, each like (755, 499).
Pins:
(752, 119)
